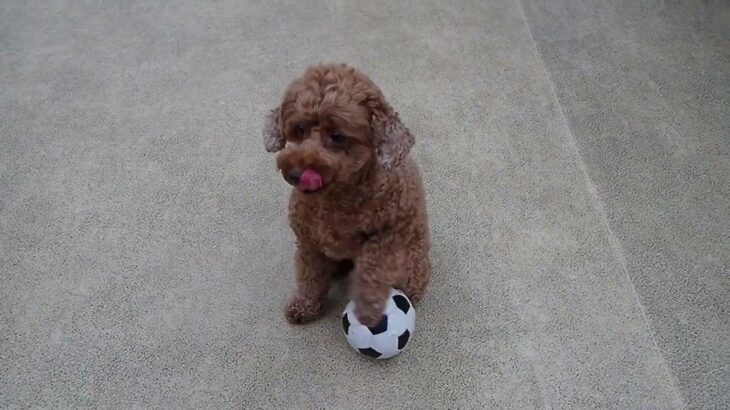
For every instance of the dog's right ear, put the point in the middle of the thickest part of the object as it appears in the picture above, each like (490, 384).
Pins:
(273, 139)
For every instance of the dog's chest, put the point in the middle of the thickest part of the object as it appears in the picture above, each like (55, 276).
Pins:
(338, 243)
(337, 234)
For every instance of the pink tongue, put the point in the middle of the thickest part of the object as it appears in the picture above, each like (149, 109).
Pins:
(309, 181)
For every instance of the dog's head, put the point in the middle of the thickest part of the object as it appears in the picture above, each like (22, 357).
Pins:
(332, 127)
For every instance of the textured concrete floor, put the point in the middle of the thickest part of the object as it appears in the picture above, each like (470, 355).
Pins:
(577, 184)
(644, 88)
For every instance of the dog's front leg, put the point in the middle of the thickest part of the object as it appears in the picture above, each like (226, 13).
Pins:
(313, 280)
(375, 273)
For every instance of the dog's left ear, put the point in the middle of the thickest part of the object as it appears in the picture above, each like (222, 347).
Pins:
(395, 141)
(273, 139)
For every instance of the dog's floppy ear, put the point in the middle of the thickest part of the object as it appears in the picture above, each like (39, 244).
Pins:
(273, 139)
(395, 140)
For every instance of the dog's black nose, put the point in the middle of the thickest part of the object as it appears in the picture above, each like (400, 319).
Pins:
(292, 176)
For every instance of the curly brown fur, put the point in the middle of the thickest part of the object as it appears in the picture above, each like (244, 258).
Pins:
(365, 205)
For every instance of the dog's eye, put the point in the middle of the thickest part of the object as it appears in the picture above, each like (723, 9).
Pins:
(337, 137)
(300, 129)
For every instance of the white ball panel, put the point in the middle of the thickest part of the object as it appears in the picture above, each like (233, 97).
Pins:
(359, 337)
(350, 311)
(397, 323)
(410, 320)
(386, 344)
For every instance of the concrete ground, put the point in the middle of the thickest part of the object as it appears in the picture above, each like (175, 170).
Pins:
(575, 155)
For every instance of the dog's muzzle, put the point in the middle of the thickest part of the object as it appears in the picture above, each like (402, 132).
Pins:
(308, 180)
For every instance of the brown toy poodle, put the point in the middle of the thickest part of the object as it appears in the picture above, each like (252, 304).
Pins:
(357, 203)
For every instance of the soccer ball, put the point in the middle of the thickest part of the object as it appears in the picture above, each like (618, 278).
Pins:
(387, 338)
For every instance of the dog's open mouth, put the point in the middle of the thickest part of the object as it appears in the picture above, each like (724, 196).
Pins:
(310, 181)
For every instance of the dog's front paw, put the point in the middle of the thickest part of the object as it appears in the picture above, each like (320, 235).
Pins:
(299, 310)
(369, 314)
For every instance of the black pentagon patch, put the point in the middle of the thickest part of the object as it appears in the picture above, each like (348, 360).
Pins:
(380, 327)
(370, 352)
(402, 303)
(403, 339)
(345, 323)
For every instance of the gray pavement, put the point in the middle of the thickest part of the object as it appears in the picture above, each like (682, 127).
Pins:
(575, 158)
